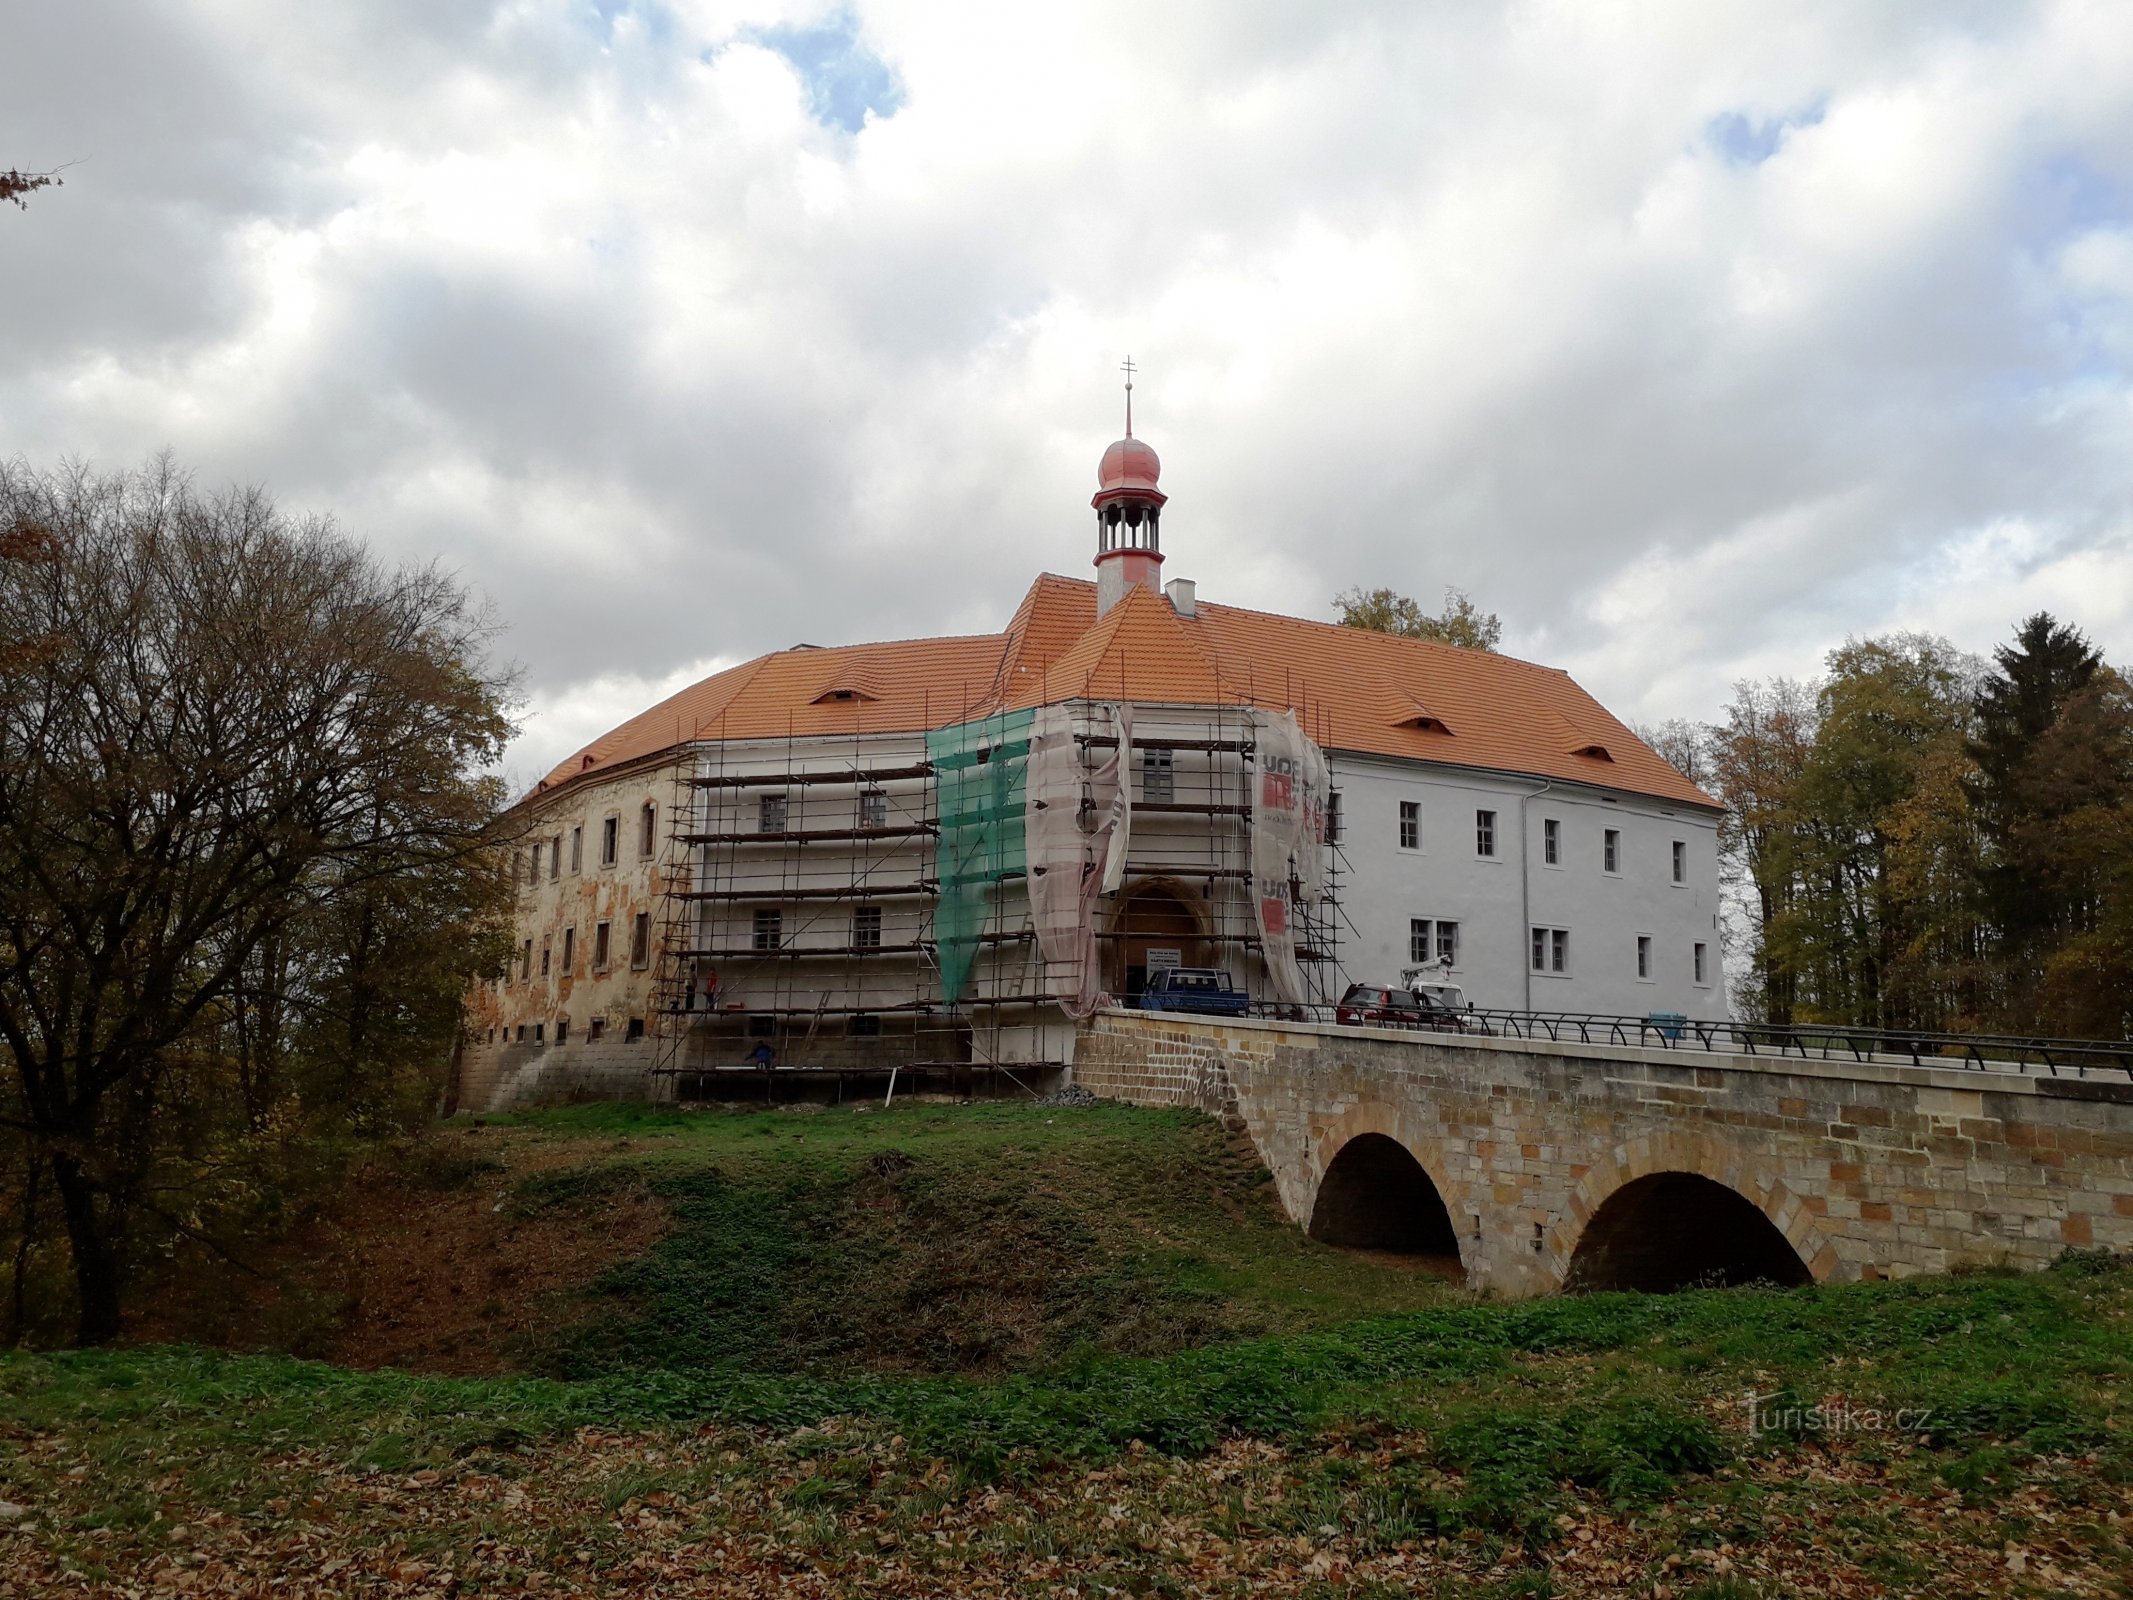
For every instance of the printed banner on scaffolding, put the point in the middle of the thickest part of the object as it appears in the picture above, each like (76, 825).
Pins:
(1288, 845)
(1079, 825)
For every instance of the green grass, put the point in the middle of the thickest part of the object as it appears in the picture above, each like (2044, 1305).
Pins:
(1586, 1389)
(1159, 1316)
(975, 1239)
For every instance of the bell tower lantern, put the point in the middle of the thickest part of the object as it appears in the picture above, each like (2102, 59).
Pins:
(1129, 514)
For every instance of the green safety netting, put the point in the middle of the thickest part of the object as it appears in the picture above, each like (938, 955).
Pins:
(980, 772)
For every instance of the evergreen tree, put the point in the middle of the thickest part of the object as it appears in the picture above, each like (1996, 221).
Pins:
(2021, 792)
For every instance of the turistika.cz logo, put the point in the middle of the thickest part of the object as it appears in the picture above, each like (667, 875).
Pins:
(1782, 1413)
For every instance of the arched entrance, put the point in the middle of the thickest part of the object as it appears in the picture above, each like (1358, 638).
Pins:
(1678, 1230)
(1157, 924)
(1375, 1196)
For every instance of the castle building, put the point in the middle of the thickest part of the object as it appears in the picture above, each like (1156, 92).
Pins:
(939, 853)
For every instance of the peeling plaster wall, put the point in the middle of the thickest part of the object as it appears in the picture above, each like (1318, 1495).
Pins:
(511, 1055)
(1868, 1171)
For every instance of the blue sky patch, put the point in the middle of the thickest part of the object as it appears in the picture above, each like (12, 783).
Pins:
(1746, 141)
(844, 80)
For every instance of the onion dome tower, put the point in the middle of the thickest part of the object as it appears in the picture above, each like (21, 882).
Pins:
(1129, 514)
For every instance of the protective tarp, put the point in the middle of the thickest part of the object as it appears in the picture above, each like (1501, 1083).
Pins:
(979, 773)
(1288, 844)
(1079, 823)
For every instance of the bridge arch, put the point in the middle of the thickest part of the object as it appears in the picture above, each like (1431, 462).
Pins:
(1375, 1190)
(1665, 1212)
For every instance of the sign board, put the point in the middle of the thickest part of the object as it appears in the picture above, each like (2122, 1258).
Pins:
(1165, 960)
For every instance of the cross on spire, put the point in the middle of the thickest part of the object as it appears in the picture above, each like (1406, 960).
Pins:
(1128, 368)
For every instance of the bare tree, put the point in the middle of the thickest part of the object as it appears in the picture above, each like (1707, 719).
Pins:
(240, 763)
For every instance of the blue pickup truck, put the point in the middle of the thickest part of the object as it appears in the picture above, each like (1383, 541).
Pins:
(1197, 989)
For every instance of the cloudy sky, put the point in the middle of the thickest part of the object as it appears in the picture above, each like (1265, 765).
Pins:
(1690, 337)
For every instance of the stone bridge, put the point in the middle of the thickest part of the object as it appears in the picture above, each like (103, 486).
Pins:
(1542, 1166)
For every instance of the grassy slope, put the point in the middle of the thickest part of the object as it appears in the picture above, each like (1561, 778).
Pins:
(940, 1239)
(1580, 1446)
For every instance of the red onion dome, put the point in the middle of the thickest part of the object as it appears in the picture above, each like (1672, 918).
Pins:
(1128, 464)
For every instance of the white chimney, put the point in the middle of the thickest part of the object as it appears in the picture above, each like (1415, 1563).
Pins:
(1183, 594)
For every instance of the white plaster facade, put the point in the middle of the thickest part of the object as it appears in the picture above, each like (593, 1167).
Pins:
(1498, 900)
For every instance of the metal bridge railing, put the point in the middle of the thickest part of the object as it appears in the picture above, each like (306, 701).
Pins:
(1795, 1040)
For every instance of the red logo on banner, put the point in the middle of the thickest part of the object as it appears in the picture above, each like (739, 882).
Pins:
(1277, 791)
(1274, 916)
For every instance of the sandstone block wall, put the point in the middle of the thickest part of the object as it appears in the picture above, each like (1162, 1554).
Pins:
(499, 1077)
(1866, 1170)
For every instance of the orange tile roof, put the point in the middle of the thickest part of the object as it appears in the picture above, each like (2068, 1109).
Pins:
(1353, 690)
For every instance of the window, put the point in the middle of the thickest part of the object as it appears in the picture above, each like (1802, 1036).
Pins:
(1681, 862)
(762, 1027)
(641, 940)
(1432, 940)
(610, 840)
(1611, 850)
(533, 864)
(544, 958)
(594, 1029)
(600, 947)
(770, 814)
(1701, 975)
(525, 961)
(1410, 824)
(570, 951)
(866, 927)
(1484, 833)
(769, 929)
(1157, 786)
(864, 1025)
(634, 1032)
(521, 1033)
(539, 1028)
(873, 808)
(492, 1036)
(555, 857)
(562, 1029)
(1551, 951)
(647, 829)
(1333, 816)
(1644, 956)
(1552, 842)
(577, 849)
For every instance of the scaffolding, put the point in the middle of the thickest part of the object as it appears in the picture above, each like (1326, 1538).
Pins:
(862, 901)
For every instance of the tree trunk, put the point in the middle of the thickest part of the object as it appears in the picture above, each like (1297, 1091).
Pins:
(19, 1309)
(96, 1282)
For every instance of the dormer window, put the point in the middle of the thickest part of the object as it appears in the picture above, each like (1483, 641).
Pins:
(850, 685)
(1424, 722)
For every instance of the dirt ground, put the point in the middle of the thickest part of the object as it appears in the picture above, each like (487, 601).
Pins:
(433, 1272)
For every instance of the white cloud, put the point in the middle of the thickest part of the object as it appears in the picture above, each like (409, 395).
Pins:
(1690, 337)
